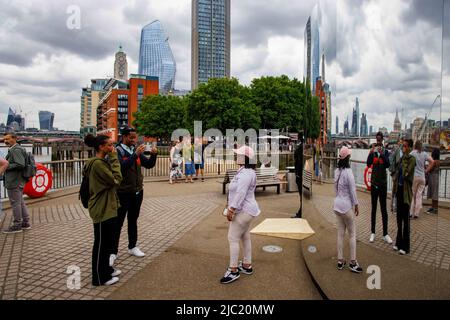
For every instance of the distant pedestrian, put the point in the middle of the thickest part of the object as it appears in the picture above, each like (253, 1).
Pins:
(402, 187)
(379, 160)
(418, 186)
(242, 210)
(345, 200)
(199, 159)
(175, 163)
(131, 189)
(433, 181)
(188, 159)
(14, 184)
(103, 172)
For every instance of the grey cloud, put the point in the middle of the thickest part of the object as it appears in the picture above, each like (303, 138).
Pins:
(420, 10)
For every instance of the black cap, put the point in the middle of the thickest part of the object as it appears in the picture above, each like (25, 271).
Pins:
(126, 130)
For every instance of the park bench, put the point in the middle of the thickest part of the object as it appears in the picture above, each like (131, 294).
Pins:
(264, 178)
(307, 181)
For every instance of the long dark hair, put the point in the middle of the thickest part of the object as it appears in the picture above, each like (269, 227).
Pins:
(344, 163)
(96, 142)
(249, 165)
(436, 154)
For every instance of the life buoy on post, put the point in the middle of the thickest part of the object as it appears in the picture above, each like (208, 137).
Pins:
(38, 186)
(368, 177)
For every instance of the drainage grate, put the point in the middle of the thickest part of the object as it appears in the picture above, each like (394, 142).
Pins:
(272, 249)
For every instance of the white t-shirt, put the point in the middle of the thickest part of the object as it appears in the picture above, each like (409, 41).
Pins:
(421, 158)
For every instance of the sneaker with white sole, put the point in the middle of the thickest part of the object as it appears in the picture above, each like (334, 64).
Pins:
(402, 252)
(355, 267)
(230, 276)
(116, 273)
(245, 270)
(388, 239)
(372, 237)
(395, 248)
(112, 281)
(136, 252)
(13, 229)
(112, 259)
(341, 265)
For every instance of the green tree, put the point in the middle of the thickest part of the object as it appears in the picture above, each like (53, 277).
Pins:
(160, 116)
(223, 104)
(282, 102)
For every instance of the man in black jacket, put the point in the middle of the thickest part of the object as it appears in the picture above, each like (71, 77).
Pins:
(379, 160)
(131, 190)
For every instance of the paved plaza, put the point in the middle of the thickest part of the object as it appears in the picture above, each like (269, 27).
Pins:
(183, 222)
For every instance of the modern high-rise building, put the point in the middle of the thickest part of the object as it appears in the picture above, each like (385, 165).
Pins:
(155, 56)
(354, 131)
(121, 65)
(15, 121)
(358, 124)
(371, 130)
(364, 132)
(90, 98)
(337, 125)
(312, 47)
(210, 41)
(46, 119)
(346, 128)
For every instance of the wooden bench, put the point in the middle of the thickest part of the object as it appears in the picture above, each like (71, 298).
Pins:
(263, 179)
(307, 181)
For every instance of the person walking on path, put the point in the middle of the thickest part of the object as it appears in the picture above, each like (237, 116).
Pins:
(3, 166)
(394, 161)
(242, 210)
(402, 187)
(14, 184)
(131, 190)
(379, 160)
(345, 200)
(418, 186)
(103, 172)
(199, 159)
(433, 181)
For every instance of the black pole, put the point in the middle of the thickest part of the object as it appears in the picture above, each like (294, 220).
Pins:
(298, 158)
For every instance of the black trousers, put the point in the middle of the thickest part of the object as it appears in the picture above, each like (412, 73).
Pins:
(130, 206)
(104, 238)
(403, 223)
(381, 193)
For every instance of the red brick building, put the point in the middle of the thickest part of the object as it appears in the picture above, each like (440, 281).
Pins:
(121, 100)
(321, 94)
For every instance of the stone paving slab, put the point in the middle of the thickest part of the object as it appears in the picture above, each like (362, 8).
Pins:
(33, 264)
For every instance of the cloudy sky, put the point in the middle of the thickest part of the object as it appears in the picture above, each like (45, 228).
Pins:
(387, 53)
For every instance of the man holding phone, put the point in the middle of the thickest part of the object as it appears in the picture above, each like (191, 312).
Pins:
(379, 160)
(131, 192)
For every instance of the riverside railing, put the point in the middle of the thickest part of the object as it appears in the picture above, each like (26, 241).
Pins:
(68, 173)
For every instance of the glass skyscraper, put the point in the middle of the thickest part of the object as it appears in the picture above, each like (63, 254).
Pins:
(46, 120)
(312, 48)
(155, 56)
(210, 40)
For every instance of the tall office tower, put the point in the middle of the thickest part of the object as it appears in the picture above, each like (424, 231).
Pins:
(337, 125)
(354, 131)
(121, 65)
(46, 119)
(357, 116)
(312, 47)
(156, 58)
(210, 41)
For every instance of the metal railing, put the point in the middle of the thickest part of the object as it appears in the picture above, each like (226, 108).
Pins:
(68, 173)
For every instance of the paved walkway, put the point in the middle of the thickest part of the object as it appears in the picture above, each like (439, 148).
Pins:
(430, 234)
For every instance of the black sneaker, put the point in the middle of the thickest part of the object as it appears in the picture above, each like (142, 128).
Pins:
(341, 265)
(245, 270)
(354, 267)
(230, 276)
(13, 229)
(26, 226)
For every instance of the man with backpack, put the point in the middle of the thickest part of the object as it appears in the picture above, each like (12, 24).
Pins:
(15, 182)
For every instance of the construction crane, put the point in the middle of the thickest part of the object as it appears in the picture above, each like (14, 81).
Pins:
(425, 123)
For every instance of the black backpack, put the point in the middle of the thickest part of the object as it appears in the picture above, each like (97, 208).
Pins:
(84, 195)
(30, 166)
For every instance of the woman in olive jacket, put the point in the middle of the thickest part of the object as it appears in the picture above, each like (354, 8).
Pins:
(104, 176)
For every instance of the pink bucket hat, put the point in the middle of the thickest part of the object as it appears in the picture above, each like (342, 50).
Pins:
(344, 152)
(245, 151)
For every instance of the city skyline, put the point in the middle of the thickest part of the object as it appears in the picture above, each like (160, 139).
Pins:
(52, 62)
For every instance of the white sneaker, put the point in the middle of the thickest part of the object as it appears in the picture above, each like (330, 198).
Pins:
(136, 252)
(372, 237)
(402, 252)
(388, 239)
(395, 248)
(116, 273)
(112, 281)
(112, 258)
